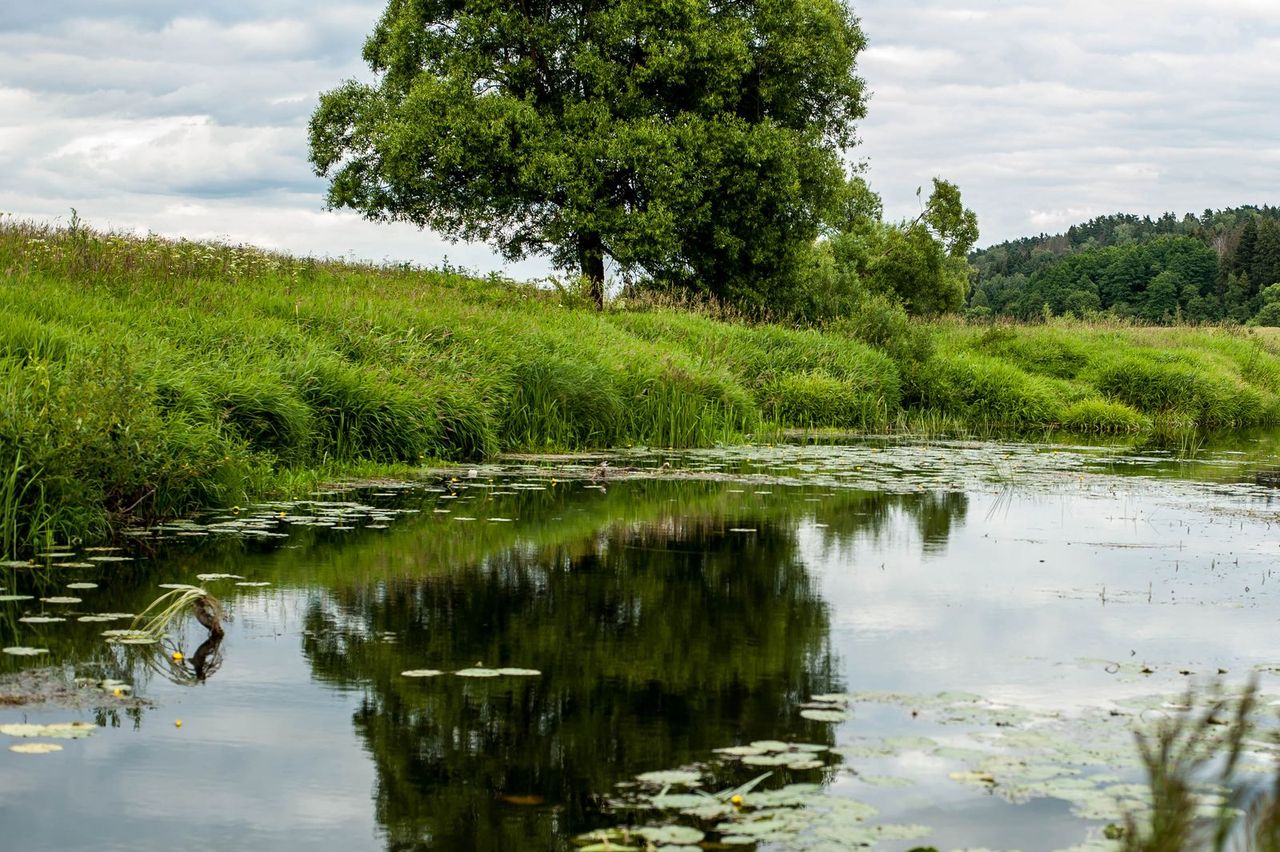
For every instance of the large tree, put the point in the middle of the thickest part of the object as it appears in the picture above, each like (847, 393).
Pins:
(696, 142)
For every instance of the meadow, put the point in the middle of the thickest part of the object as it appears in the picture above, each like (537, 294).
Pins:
(143, 377)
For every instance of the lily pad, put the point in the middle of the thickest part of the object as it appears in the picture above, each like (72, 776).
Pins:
(58, 730)
(8, 598)
(62, 599)
(24, 651)
(110, 558)
(675, 834)
(421, 673)
(41, 619)
(771, 745)
(741, 751)
(515, 672)
(35, 748)
(477, 672)
(671, 778)
(825, 715)
(203, 578)
(79, 586)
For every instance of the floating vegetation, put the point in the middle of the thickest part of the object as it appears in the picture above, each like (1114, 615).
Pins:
(421, 673)
(155, 620)
(35, 748)
(477, 672)
(57, 730)
(204, 578)
(41, 619)
(110, 558)
(62, 599)
(246, 584)
(11, 598)
(82, 586)
(672, 778)
(24, 651)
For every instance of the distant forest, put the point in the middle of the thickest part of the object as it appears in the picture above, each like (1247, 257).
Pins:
(1221, 266)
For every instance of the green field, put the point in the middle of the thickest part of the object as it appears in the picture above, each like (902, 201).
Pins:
(145, 377)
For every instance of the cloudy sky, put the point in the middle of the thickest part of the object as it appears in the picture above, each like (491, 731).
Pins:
(189, 119)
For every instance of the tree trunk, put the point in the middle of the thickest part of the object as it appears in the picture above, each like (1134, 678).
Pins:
(591, 258)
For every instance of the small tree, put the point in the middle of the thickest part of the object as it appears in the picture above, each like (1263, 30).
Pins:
(696, 141)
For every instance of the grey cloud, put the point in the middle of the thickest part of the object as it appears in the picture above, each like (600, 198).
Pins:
(192, 119)
(1046, 115)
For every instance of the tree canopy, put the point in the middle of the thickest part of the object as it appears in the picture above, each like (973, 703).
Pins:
(1204, 268)
(695, 143)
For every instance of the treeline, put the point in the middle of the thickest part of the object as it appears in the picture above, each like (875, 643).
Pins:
(1221, 266)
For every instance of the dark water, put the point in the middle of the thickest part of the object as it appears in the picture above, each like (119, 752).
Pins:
(666, 619)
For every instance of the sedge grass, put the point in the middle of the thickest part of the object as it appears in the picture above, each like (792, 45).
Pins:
(146, 377)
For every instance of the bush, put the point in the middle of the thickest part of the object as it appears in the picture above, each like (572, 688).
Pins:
(817, 399)
(987, 391)
(1100, 416)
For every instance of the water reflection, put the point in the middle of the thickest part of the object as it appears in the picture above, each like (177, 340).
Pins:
(657, 642)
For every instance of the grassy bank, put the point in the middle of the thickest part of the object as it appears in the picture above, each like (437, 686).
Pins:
(145, 377)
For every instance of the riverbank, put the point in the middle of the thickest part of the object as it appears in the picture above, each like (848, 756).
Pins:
(145, 377)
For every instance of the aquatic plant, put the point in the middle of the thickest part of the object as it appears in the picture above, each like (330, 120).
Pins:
(155, 620)
(143, 377)
(1188, 751)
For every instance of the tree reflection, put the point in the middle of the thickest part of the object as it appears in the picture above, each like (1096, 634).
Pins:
(657, 642)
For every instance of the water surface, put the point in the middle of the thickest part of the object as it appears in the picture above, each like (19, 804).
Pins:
(1048, 589)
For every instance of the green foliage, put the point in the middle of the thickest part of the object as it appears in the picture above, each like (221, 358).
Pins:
(816, 399)
(987, 391)
(1167, 270)
(920, 263)
(1102, 417)
(140, 377)
(696, 144)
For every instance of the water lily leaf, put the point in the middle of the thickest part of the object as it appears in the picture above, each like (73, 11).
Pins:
(7, 598)
(677, 834)
(477, 672)
(825, 715)
(514, 672)
(110, 558)
(203, 578)
(62, 599)
(421, 673)
(41, 619)
(58, 730)
(79, 586)
(671, 778)
(741, 751)
(804, 765)
(253, 585)
(24, 651)
(771, 745)
(93, 618)
(35, 748)
(682, 801)
(981, 779)
(768, 759)
(182, 586)
(886, 781)
(737, 840)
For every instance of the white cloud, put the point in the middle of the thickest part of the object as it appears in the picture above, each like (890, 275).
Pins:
(145, 113)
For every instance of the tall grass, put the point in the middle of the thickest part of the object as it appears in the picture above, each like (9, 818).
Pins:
(147, 376)
(1199, 752)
